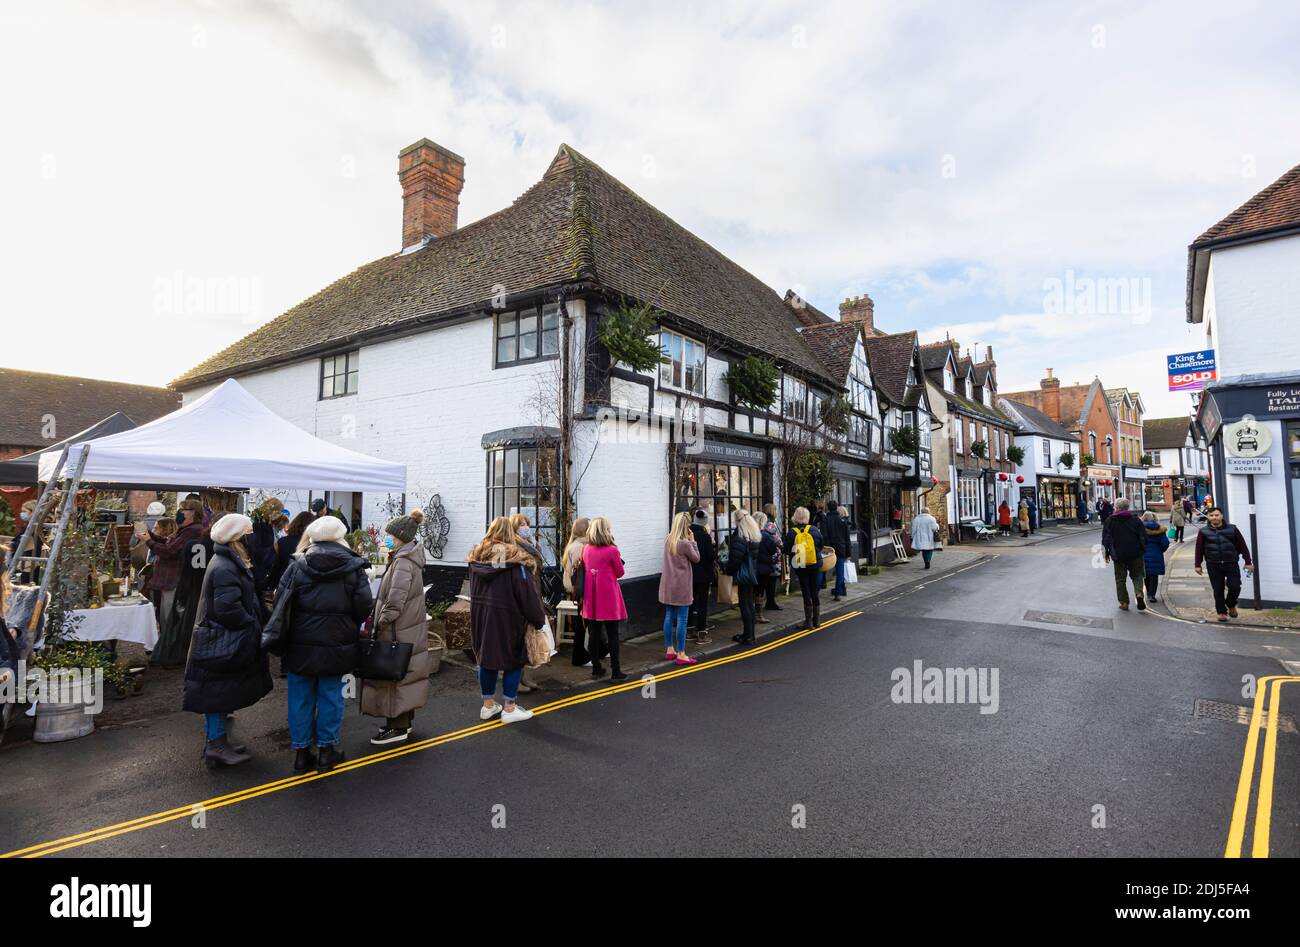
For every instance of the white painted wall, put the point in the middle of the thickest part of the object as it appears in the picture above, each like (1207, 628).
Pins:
(1250, 305)
(1271, 522)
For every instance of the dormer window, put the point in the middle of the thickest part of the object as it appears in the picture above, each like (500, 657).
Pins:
(948, 380)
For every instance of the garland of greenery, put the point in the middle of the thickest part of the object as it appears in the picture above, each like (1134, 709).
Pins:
(1067, 460)
(753, 381)
(835, 413)
(810, 480)
(979, 449)
(627, 333)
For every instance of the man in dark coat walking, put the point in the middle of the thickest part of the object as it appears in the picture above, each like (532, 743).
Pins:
(1219, 545)
(1124, 540)
(702, 576)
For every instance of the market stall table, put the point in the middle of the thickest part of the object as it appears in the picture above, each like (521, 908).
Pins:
(135, 622)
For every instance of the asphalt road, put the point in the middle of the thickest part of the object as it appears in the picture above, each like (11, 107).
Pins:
(798, 749)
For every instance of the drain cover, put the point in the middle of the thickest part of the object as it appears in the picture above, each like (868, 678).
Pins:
(1064, 618)
(1235, 713)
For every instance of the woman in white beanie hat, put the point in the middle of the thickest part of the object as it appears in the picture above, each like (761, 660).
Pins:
(331, 598)
(226, 673)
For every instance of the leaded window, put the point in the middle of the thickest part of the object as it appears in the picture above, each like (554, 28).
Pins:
(339, 374)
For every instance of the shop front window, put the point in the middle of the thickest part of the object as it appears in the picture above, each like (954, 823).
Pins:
(720, 490)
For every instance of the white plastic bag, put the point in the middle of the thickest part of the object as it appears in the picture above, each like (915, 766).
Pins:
(550, 638)
(850, 571)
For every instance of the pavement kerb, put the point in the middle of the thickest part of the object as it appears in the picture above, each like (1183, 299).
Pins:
(1180, 556)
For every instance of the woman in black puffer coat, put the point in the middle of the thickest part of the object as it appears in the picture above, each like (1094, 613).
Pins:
(226, 672)
(331, 601)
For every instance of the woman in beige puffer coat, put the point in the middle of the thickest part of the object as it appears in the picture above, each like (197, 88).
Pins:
(400, 613)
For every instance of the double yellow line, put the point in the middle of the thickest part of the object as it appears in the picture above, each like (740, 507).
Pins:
(243, 795)
(1270, 686)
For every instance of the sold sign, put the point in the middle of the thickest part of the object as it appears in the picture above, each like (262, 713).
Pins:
(1191, 371)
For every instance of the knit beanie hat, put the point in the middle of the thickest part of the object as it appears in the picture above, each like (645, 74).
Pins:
(326, 529)
(405, 527)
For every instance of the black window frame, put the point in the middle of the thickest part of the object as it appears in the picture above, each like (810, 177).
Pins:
(538, 311)
(351, 371)
(547, 535)
(754, 491)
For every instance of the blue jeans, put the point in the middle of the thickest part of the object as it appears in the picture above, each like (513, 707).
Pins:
(214, 725)
(318, 700)
(839, 577)
(487, 683)
(927, 555)
(675, 615)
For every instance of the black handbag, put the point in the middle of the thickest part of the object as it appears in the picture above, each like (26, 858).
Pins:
(383, 660)
(222, 650)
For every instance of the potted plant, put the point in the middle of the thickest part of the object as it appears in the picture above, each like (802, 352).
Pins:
(72, 676)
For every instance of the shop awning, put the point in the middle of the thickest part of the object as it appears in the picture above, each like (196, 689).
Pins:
(227, 439)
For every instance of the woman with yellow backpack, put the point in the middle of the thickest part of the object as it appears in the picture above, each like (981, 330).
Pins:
(804, 544)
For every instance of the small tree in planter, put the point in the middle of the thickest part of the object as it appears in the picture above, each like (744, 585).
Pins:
(810, 480)
(1067, 460)
(1145, 460)
(1016, 454)
(979, 449)
(1085, 460)
(629, 334)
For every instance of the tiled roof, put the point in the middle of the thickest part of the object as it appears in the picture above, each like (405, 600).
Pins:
(1158, 433)
(74, 404)
(1074, 402)
(976, 408)
(891, 356)
(935, 355)
(577, 224)
(1277, 206)
(833, 344)
(1032, 421)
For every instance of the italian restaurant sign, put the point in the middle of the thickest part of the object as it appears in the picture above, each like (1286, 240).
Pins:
(1191, 370)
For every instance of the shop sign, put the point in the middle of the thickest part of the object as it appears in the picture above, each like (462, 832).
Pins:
(740, 454)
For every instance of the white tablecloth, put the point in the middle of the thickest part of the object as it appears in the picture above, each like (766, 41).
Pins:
(123, 622)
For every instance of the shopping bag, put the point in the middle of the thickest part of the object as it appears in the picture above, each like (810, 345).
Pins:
(727, 592)
(550, 639)
(850, 571)
(536, 644)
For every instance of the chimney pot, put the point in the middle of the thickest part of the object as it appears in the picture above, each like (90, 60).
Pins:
(859, 309)
(432, 178)
(1051, 396)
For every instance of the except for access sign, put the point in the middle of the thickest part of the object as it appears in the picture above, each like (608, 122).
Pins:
(1248, 465)
(1191, 371)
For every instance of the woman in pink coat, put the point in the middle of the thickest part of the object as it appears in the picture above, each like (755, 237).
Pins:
(676, 588)
(602, 599)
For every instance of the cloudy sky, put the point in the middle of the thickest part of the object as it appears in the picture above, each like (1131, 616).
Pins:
(175, 173)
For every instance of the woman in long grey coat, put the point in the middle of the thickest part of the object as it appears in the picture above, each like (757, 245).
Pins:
(400, 615)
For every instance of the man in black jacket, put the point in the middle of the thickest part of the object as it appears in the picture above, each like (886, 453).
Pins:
(835, 533)
(1219, 545)
(702, 576)
(1125, 541)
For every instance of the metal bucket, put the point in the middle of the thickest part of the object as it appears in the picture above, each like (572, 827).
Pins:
(58, 722)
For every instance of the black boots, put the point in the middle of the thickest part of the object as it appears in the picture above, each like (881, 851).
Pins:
(807, 617)
(817, 615)
(304, 760)
(219, 752)
(330, 756)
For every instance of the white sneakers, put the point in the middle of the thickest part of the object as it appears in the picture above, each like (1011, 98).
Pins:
(516, 715)
(487, 713)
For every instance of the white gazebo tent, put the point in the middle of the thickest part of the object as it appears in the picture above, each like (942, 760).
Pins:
(227, 439)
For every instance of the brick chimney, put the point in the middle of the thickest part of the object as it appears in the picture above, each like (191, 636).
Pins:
(431, 178)
(1051, 388)
(859, 309)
